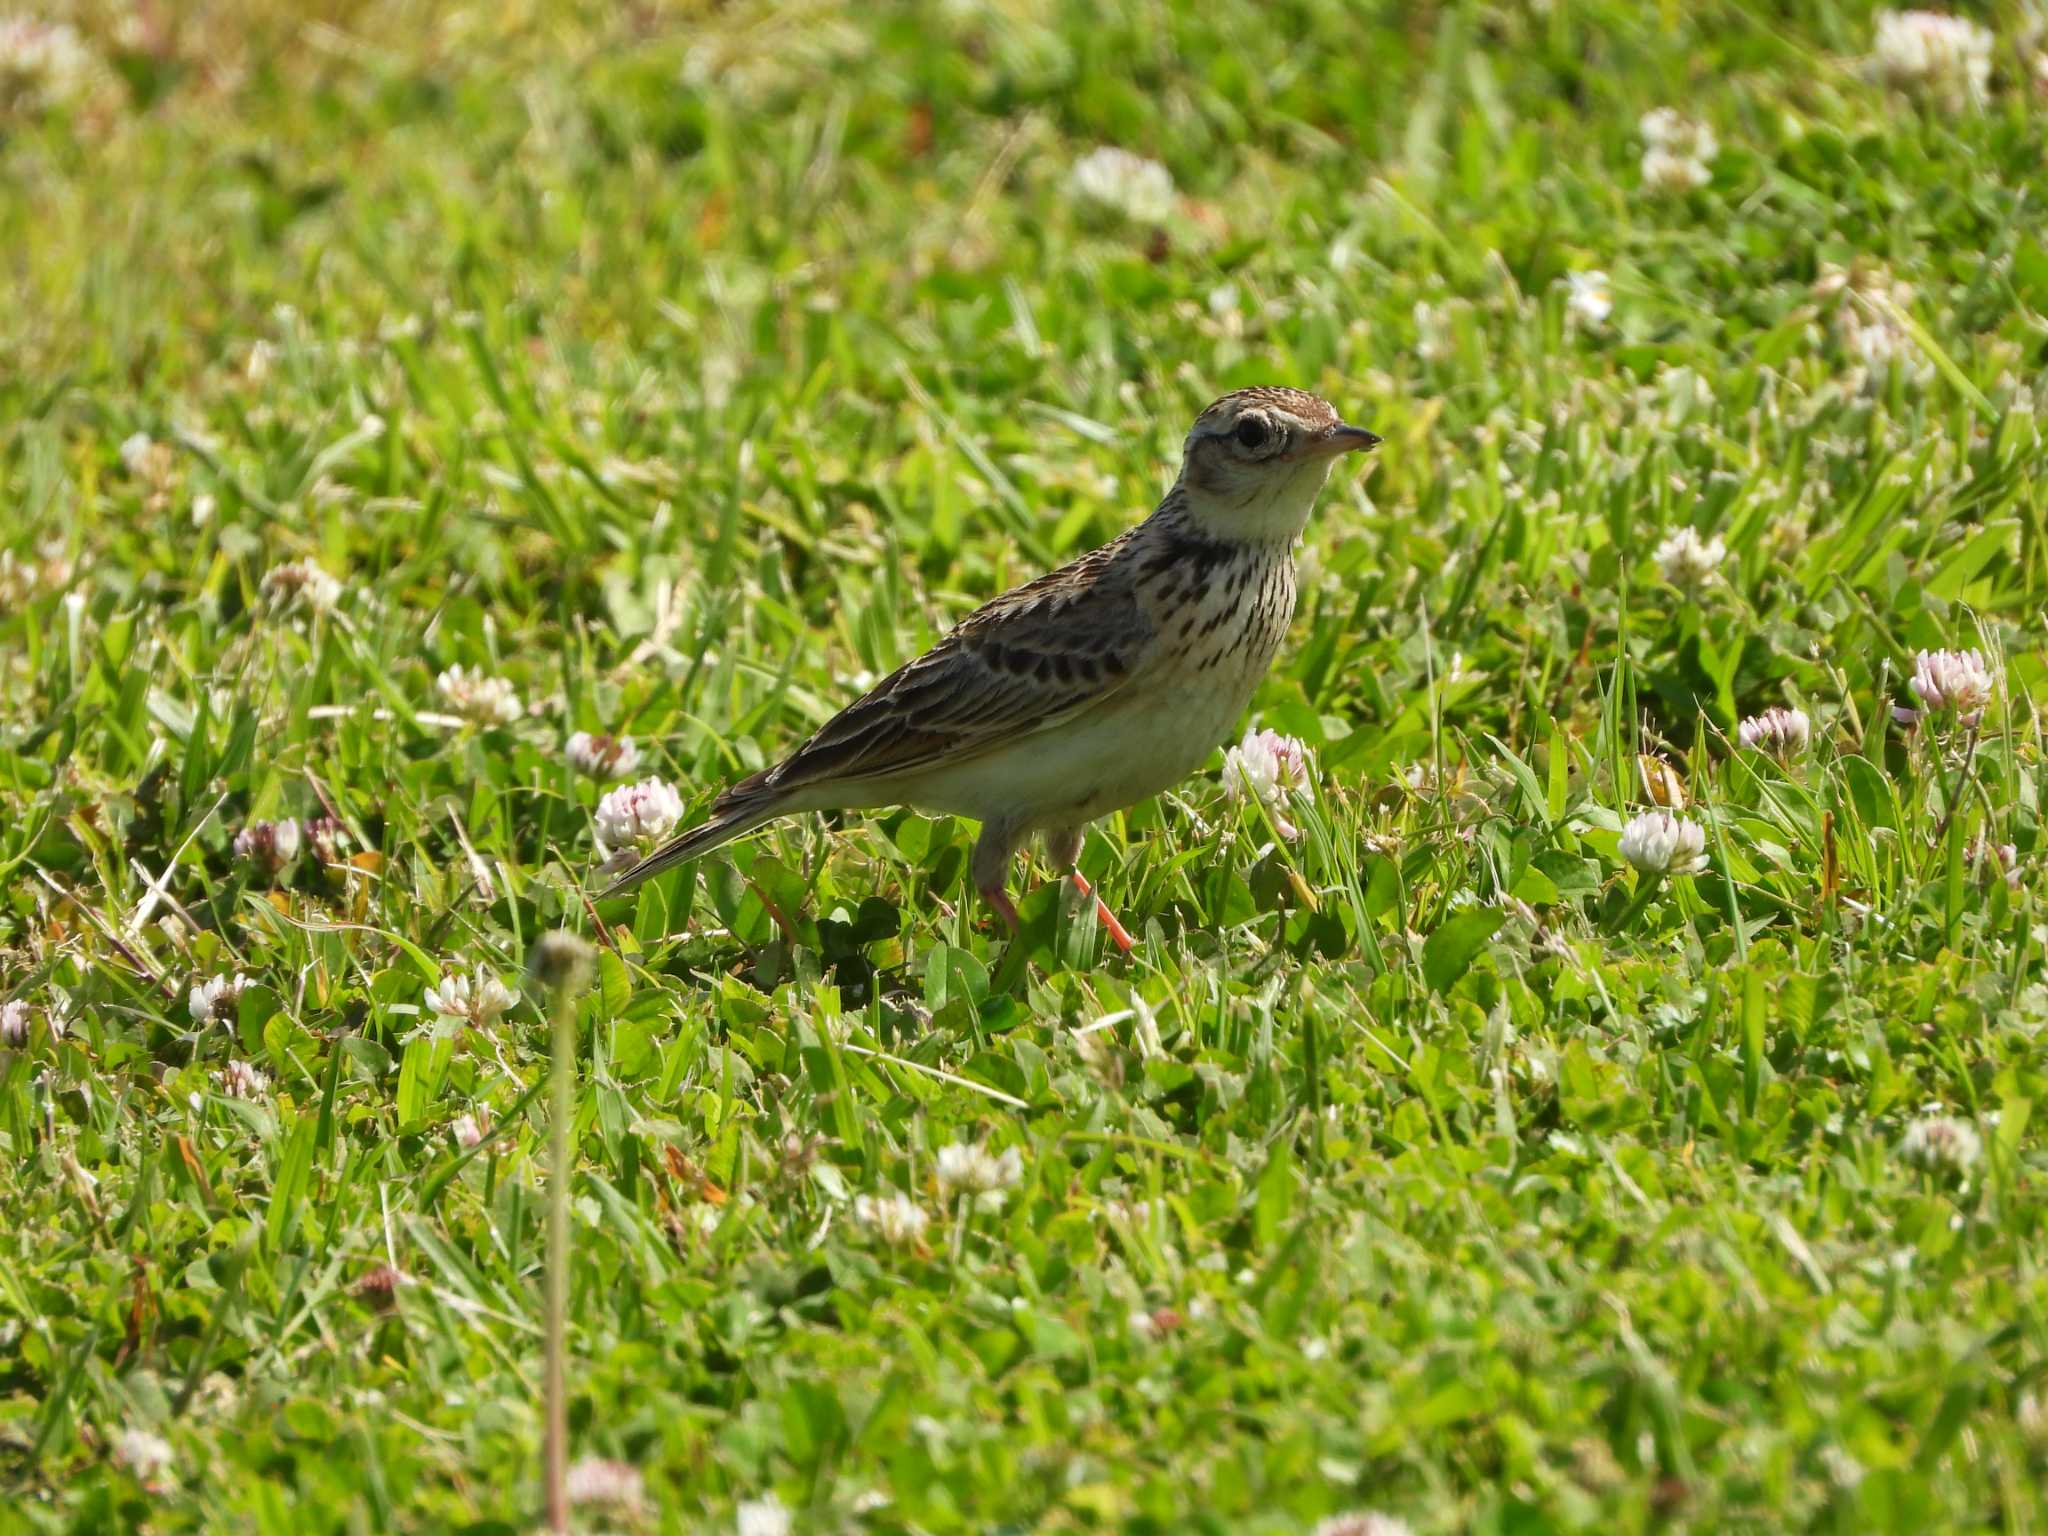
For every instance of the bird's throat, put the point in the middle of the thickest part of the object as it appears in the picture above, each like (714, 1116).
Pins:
(1265, 508)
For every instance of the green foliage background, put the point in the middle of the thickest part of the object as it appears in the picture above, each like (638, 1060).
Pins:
(683, 364)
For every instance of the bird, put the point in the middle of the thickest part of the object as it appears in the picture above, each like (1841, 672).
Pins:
(1090, 688)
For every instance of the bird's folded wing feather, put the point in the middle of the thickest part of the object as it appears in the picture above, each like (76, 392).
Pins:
(1027, 660)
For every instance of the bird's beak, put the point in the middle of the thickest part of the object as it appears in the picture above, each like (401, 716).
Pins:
(1345, 439)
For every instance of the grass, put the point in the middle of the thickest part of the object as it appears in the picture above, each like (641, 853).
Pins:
(686, 365)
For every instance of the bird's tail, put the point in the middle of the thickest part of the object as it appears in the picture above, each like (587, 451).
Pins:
(735, 815)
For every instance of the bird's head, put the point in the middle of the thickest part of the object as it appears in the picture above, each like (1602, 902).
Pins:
(1256, 459)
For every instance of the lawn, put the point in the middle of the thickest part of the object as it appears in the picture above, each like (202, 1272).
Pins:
(390, 392)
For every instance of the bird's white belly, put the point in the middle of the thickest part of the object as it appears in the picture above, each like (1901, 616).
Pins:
(1111, 758)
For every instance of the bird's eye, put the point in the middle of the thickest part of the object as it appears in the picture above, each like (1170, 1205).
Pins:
(1251, 432)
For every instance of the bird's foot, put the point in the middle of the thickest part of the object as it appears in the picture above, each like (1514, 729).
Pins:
(1118, 935)
(1006, 909)
(1009, 975)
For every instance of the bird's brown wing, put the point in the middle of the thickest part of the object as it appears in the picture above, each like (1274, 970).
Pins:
(1018, 664)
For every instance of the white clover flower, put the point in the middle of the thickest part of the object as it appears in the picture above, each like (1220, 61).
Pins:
(301, 582)
(268, 847)
(43, 64)
(633, 818)
(895, 1218)
(1433, 335)
(481, 1003)
(1865, 297)
(1659, 843)
(1878, 344)
(1364, 1523)
(1120, 182)
(1875, 344)
(217, 999)
(1777, 732)
(762, 1517)
(262, 357)
(1949, 682)
(1947, 58)
(467, 1132)
(2032, 1413)
(1677, 153)
(970, 1169)
(1667, 128)
(241, 1080)
(15, 1019)
(19, 580)
(1272, 769)
(1587, 300)
(1941, 1144)
(1666, 172)
(218, 1393)
(600, 1480)
(1843, 1470)
(1686, 562)
(475, 696)
(144, 1454)
(603, 757)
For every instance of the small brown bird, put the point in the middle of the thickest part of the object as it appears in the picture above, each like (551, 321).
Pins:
(1087, 690)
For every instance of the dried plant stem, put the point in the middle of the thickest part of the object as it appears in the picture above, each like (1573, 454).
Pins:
(561, 964)
(562, 1070)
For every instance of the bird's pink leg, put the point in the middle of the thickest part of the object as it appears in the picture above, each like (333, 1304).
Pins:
(990, 867)
(1107, 918)
(1005, 908)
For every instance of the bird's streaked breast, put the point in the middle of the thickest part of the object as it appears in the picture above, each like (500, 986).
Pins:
(1221, 610)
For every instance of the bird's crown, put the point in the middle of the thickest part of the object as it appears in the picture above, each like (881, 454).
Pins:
(1311, 411)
